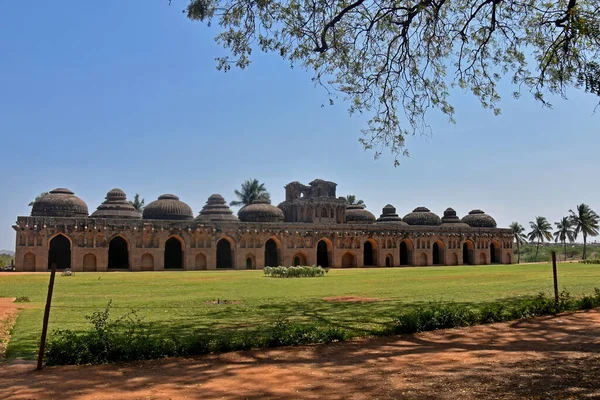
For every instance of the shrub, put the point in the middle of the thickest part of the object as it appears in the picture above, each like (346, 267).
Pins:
(22, 299)
(493, 312)
(295, 272)
(590, 261)
(434, 316)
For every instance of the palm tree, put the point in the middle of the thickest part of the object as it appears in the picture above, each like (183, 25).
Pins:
(564, 232)
(519, 236)
(137, 203)
(585, 220)
(251, 190)
(351, 199)
(540, 231)
(38, 197)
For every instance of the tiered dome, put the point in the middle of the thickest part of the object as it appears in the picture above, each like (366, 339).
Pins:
(389, 216)
(479, 219)
(422, 216)
(450, 220)
(357, 214)
(216, 209)
(116, 206)
(169, 207)
(59, 202)
(260, 210)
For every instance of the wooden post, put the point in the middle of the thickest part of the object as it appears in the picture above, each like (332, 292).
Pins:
(555, 276)
(46, 317)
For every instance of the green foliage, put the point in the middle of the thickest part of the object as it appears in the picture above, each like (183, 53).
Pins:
(129, 339)
(396, 61)
(351, 199)
(22, 299)
(138, 203)
(251, 190)
(434, 316)
(295, 272)
(590, 261)
(586, 221)
(540, 231)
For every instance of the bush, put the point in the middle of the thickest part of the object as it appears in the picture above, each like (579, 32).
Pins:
(22, 299)
(590, 261)
(434, 316)
(295, 272)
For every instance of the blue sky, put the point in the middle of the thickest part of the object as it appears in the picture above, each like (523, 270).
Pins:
(127, 95)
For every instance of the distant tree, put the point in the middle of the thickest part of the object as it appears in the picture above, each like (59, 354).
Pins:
(251, 190)
(541, 230)
(137, 203)
(395, 61)
(38, 197)
(351, 199)
(564, 232)
(519, 236)
(585, 220)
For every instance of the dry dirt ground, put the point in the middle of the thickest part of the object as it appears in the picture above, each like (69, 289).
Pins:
(544, 358)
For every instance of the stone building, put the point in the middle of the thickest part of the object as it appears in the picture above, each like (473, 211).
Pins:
(311, 227)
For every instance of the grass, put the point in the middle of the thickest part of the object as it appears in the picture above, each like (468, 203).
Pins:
(186, 302)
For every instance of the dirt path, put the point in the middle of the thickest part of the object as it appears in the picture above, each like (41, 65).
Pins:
(8, 315)
(544, 358)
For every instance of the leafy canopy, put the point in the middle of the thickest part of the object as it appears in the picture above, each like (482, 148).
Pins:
(518, 232)
(540, 230)
(138, 203)
(251, 190)
(388, 57)
(564, 231)
(585, 220)
(351, 199)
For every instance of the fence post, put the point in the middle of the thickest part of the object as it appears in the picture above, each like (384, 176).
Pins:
(46, 317)
(555, 277)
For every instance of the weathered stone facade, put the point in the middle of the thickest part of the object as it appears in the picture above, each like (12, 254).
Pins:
(311, 227)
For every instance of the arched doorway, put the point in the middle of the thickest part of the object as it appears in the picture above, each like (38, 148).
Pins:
(369, 254)
(147, 262)
(389, 261)
(495, 252)
(348, 260)
(468, 256)
(224, 254)
(250, 264)
(271, 253)
(89, 263)
(59, 252)
(423, 260)
(200, 261)
(323, 254)
(508, 258)
(118, 253)
(29, 262)
(173, 254)
(438, 253)
(405, 252)
(299, 259)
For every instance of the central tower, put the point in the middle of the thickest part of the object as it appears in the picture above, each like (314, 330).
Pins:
(315, 203)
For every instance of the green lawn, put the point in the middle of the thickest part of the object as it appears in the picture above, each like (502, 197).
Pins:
(181, 302)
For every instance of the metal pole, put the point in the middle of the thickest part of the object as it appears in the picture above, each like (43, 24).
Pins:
(46, 317)
(555, 276)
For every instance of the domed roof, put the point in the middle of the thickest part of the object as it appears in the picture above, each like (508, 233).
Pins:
(59, 202)
(260, 210)
(116, 206)
(216, 209)
(357, 214)
(169, 207)
(479, 219)
(450, 220)
(422, 216)
(389, 216)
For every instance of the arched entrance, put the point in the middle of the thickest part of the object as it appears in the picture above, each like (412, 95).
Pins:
(508, 258)
(29, 262)
(147, 262)
(89, 263)
(348, 260)
(323, 254)
(118, 253)
(224, 254)
(271, 253)
(423, 260)
(370, 254)
(250, 263)
(405, 252)
(495, 252)
(200, 261)
(468, 256)
(173, 254)
(389, 261)
(299, 259)
(59, 252)
(438, 254)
